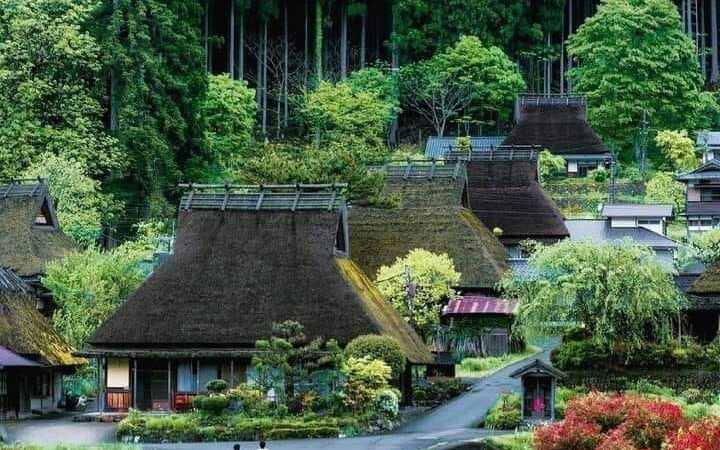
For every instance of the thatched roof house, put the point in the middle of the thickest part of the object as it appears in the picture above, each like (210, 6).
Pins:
(703, 312)
(33, 357)
(559, 124)
(504, 193)
(30, 234)
(429, 216)
(244, 260)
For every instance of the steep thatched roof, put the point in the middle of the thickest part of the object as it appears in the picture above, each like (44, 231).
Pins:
(236, 272)
(429, 217)
(704, 292)
(560, 128)
(27, 246)
(505, 193)
(24, 331)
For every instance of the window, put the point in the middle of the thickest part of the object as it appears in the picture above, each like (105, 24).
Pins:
(648, 222)
(187, 375)
(44, 218)
(41, 387)
(698, 223)
(710, 195)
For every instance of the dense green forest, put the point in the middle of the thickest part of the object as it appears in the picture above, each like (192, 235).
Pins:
(116, 101)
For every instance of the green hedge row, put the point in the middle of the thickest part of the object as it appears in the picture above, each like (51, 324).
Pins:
(196, 428)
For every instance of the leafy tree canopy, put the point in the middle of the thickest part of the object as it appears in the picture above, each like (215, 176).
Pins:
(620, 293)
(82, 208)
(432, 278)
(634, 57)
(662, 188)
(550, 165)
(228, 111)
(90, 285)
(51, 86)
(706, 246)
(678, 148)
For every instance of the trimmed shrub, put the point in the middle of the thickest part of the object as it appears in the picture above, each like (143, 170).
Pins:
(364, 377)
(216, 386)
(252, 401)
(213, 404)
(505, 413)
(703, 435)
(440, 390)
(387, 404)
(383, 348)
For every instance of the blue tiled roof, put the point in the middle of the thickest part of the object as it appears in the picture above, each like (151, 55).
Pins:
(436, 146)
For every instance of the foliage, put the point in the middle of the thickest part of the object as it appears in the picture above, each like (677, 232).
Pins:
(82, 208)
(662, 188)
(678, 148)
(251, 400)
(467, 74)
(505, 413)
(703, 435)
(157, 66)
(287, 358)
(211, 404)
(387, 404)
(432, 277)
(90, 285)
(203, 428)
(706, 245)
(634, 57)
(376, 81)
(550, 165)
(364, 379)
(228, 114)
(216, 386)
(600, 175)
(618, 292)
(51, 86)
(384, 348)
(440, 390)
(567, 435)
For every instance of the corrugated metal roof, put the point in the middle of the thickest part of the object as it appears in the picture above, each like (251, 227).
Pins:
(600, 232)
(480, 304)
(9, 358)
(437, 147)
(637, 211)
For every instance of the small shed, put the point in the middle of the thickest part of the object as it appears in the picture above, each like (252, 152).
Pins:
(538, 381)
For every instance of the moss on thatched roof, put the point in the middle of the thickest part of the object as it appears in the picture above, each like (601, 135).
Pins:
(235, 273)
(429, 217)
(26, 332)
(708, 282)
(24, 247)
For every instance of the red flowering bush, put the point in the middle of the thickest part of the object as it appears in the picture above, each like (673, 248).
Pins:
(613, 422)
(567, 435)
(703, 435)
(616, 440)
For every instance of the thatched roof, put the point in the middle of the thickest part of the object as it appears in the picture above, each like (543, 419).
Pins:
(27, 246)
(236, 272)
(704, 292)
(430, 216)
(505, 193)
(561, 128)
(23, 330)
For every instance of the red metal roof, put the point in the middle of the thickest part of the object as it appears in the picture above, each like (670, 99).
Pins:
(9, 358)
(480, 304)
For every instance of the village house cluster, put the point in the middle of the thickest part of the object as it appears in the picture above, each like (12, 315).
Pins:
(246, 257)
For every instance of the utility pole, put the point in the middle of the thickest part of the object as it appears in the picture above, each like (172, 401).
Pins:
(410, 289)
(644, 127)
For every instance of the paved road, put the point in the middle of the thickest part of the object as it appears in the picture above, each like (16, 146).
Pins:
(58, 430)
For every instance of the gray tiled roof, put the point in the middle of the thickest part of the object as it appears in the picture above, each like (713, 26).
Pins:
(436, 146)
(600, 232)
(709, 170)
(703, 208)
(637, 211)
(711, 138)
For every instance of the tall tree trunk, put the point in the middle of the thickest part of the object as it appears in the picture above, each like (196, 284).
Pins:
(306, 56)
(703, 39)
(286, 75)
(570, 31)
(259, 79)
(241, 46)
(714, 41)
(394, 126)
(205, 33)
(114, 75)
(363, 38)
(264, 76)
(318, 41)
(231, 48)
(343, 41)
(562, 55)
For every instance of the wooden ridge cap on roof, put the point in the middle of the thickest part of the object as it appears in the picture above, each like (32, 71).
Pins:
(422, 169)
(22, 188)
(288, 197)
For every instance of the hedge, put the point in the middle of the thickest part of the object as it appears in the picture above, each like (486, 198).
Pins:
(196, 428)
(678, 380)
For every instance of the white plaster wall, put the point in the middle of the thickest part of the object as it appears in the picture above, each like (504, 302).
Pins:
(118, 373)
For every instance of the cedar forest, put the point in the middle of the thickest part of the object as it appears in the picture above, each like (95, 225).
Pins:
(115, 102)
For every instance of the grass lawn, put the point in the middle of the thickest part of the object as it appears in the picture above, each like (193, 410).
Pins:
(482, 367)
(517, 441)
